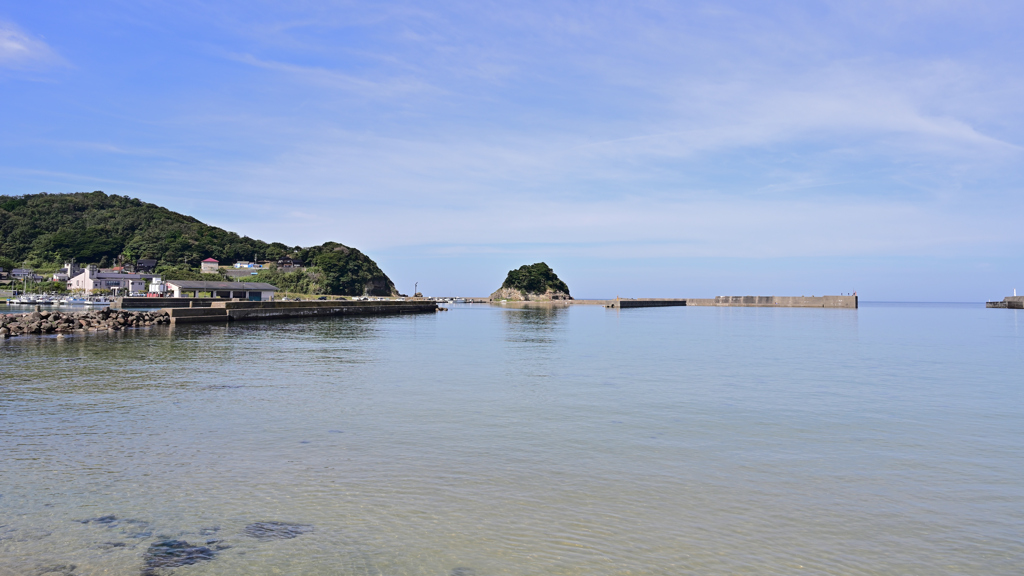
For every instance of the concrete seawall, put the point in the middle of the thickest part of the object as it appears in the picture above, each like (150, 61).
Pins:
(744, 301)
(234, 311)
(648, 302)
(1012, 302)
(140, 302)
(786, 301)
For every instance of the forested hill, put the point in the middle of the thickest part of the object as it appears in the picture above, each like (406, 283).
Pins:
(44, 230)
(535, 279)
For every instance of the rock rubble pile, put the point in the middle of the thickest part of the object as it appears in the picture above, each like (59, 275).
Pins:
(47, 322)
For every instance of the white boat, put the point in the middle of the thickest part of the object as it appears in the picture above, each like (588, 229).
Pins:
(97, 302)
(71, 301)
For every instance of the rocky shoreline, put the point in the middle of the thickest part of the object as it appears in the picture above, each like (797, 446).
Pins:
(513, 294)
(47, 322)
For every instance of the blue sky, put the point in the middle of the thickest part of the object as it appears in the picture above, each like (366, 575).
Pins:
(640, 148)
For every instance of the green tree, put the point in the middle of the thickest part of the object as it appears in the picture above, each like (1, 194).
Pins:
(534, 279)
(44, 230)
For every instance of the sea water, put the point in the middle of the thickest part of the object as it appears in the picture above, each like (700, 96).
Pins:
(523, 440)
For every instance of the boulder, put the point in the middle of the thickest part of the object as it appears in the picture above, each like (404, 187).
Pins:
(276, 530)
(173, 554)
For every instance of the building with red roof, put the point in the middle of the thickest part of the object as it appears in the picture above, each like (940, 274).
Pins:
(209, 266)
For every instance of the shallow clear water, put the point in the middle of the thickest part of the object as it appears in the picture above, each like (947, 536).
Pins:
(490, 440)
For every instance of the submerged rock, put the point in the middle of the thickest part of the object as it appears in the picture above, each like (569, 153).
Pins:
(57, 570)
(108, 519)
(276, 530)
(173, 554)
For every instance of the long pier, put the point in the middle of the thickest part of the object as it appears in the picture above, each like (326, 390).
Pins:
(742, 301)
(1012, 302)
(234, 311)
(127, 302)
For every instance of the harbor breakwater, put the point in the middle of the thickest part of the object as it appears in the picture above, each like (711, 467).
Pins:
(242, 310)
(1012, 302)
(747, 301)
(47, 322)
(141, 302)
(55, 322)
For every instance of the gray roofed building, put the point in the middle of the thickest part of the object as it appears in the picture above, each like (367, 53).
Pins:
(248, 290)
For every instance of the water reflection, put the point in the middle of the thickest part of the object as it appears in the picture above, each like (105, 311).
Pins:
(519, 440)
(535, 323)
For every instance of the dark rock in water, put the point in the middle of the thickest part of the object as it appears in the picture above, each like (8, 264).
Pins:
(462, 571)
(135, 528)
(111, 545)
(109, 519)
(57, 570)
(216, 543)
(276, 530)
(173, 554)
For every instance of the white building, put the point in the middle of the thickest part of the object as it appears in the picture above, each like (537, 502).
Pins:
(69, 271)
(157, 286)
(92, 279)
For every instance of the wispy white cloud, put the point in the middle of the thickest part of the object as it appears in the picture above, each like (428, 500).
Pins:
(667, 129)
(338, 80)
(21, 51)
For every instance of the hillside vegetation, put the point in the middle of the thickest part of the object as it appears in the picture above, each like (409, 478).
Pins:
(44, 230)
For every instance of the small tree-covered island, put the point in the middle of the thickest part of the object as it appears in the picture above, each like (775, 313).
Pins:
(532, 282)
(119, 233)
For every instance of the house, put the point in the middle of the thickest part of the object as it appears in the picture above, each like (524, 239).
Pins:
(20, 274)
(145, 265)
(254, 291)
(288, 264)
(93, 279)
(209, 266)
(69, 271)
